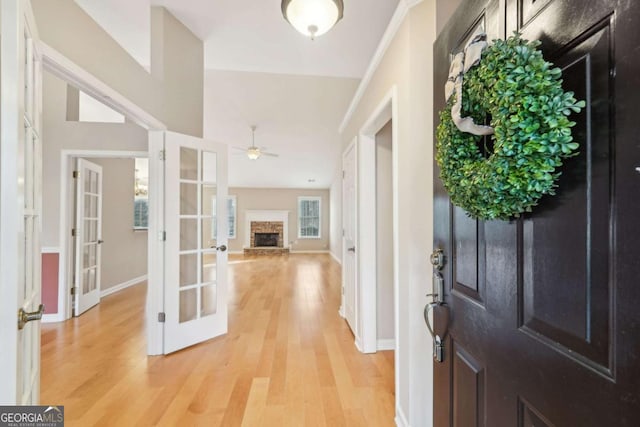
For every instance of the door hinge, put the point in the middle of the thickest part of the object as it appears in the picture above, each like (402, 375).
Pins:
(343, 174)
(162, 317)
(343, 232)
(73, 232)
(75, 174)
(73, 290)
(162, 155)
(162, 236)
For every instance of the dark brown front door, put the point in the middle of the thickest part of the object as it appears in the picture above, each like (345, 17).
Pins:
(543, 312)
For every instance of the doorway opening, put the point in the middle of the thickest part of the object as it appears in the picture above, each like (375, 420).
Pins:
(370, 201)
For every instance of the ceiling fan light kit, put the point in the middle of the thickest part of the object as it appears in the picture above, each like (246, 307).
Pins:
(254, 152)
(312, 17)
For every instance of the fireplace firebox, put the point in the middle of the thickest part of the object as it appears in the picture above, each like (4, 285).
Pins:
(263, 240)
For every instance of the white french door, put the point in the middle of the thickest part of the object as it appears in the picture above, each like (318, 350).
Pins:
(88, 236)
(20, 204)
(349, 238)
(195, 280)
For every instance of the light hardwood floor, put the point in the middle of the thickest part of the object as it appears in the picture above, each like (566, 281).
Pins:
(288, 359)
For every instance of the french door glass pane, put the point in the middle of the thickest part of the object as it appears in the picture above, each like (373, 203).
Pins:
(209, 272)
(188, 234)
(188, 269)
(188, 198)
(188, 163)
(208, 300)
(188, 305)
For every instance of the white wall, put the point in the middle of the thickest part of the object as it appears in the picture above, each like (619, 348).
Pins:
(297, 117)
(384, 233)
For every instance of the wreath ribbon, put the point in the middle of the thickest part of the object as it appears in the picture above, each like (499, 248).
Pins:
(462, 62)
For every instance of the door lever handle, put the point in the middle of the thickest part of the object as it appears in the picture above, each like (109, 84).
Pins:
(352, 249)
(25, 317)
(221, 248)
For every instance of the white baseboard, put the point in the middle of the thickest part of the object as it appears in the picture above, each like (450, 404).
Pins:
(236, 252)
(386, 345)
(49, 250)
(53, 317)
(121, 286)
(359, 345)
(401, 420)
(339, 261)
(309, 252)
(341, 311)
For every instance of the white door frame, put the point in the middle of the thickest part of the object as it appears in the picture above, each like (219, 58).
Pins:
(366, 254)
(353, 145)
(59, 65)
(67, 196)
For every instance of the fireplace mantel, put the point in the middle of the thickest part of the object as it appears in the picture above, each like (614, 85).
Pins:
(266, 215)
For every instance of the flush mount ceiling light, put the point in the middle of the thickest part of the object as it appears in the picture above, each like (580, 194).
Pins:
(312, 17)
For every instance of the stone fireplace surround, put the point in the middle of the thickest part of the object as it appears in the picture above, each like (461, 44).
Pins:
(266, 221)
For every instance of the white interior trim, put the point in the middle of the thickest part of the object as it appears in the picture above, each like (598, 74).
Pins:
(321, 251)
(386, 345)
(367, 230)
(336, 258)
(61, 66)
(394, 25)
(352, 146)
(49, 250)
(401, 419)
(266, 215)
(67, 159)
(122, 286)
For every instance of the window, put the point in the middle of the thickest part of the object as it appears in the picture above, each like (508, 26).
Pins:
(308, 217)
(231, 215)
(141, 195)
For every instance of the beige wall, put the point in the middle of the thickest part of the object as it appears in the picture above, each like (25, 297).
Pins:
(408, 65)
(60, 134)
(124, 251)
(280, 199)
(384, 233)
(172, 92)
(335, 214)
(177, 60)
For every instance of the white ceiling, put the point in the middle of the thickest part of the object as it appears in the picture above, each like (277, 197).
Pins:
(297, 117)
(252, 36)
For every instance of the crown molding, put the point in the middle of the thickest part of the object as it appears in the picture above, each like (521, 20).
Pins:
(394, 25)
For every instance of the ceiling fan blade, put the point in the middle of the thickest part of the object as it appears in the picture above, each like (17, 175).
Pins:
(269, 154)
(238, 148)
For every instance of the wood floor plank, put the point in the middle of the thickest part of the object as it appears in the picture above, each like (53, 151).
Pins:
(287, 360)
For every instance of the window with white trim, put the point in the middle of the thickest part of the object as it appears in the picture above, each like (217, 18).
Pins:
(141, 195)
(309, 217)
(231, 217)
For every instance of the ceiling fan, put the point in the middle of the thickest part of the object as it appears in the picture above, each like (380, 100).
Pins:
(253, 152)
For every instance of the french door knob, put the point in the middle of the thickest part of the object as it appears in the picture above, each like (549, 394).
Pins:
(100, 241)
(24, 316)
(352, 249)
(221, 248)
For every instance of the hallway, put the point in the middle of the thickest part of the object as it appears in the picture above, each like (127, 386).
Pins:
(288, 359)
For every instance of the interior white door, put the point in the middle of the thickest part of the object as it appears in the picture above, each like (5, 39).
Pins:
(349, 238)
(20, 204)
(88, 236)
(195, 256)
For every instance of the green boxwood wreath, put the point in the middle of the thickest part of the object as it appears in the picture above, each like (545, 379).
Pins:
(528, 109)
